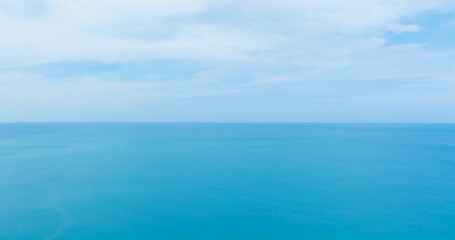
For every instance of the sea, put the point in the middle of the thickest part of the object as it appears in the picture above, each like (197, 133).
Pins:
(227, 181)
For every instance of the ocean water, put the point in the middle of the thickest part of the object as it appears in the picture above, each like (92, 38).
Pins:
(227, 181)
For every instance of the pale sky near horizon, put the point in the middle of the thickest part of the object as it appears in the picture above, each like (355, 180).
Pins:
(227, 60)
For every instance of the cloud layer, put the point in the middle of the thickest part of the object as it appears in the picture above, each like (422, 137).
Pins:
(99, 58)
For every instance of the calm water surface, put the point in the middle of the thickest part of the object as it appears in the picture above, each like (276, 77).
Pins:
(227, 181)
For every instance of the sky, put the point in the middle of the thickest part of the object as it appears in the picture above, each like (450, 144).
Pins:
(227, 61)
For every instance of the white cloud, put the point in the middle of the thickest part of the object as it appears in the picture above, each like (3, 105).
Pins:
(399, 28)
(118, 30)
(326, 42)
(31, 96)
(30, 90)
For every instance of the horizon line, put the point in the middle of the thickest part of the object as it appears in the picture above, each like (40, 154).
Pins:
(218, 122)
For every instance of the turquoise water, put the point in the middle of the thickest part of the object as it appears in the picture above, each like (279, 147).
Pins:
(227, 181)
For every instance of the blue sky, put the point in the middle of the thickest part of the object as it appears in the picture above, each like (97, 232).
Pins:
(227, 60)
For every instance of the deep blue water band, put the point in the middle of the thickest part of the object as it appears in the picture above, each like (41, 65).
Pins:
(227, 181)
